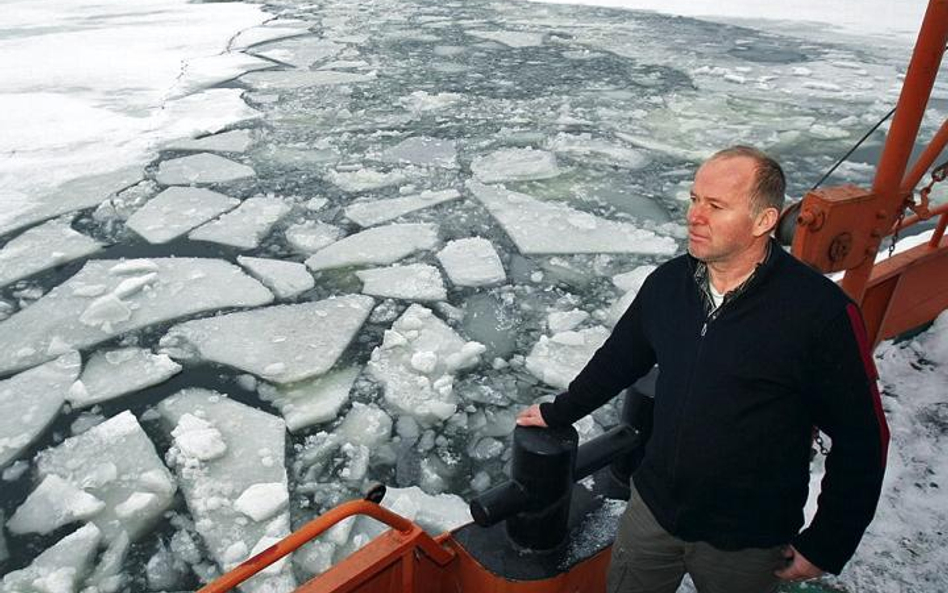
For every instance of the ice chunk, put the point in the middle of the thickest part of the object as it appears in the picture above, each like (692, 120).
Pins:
(73, 314)
(426, 396)
(436, 514)
(366, 425)
(267, 32)
(364, 179)
(299, 51)
(113, 461)
(282, 344)
(586, 148)
(255, 444)
(510, 38)
(417, 282)
(114, 373)
(472, 262)
(201, 168)
(423, 151)
(515, 164)
(285, 278)
(197, 439)
(30, 401)
(556, 360)
(563, 321)
(236, 141)
(77, 194)
(59, 569)
(176, 211)
(276, 80)
(310, 236)
(262, 501)
(54, 503)
(420, 102)
(311, 402)
(631, 282)
(245, 226)
(107, 576)
(379, 245)
(541, 228)
(41, 248)
(371, 213)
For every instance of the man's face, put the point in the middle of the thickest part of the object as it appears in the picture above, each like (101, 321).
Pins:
(721, 218)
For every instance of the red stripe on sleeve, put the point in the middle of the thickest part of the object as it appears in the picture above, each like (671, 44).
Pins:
(862, 339)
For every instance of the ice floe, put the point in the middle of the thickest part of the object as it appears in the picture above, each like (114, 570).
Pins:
(235, 141)
(31, 400)
(176, 211)
(515, 164)
(248, 462)
(108, 297)
(245, 226)
(557, 360)
(117, 464)
(472, 262)
(61, 568)
(114, 373)
(295, 79)
(364, 179)
(378, 246)
(282, 344)
(416, 282)
(630, 282)
(542, 228)
(199, 169)
(586, 148)
(268, 32)
(562, 321)
(367, 214)
(301, 52)
(77, 194)
(416, 364)
(510, 38)
(311, 402)
(54, 503)
(423, 151)
(420, 102)
(41, 248)
(285, 278)
(311, 236)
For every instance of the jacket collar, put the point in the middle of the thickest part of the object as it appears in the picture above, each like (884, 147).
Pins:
(761, 270)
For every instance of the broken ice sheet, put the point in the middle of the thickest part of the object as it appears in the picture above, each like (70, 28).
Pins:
(367, 214)
(201, 168)
(416, 282)
(379, 245)
(41, 248)
(510, 38)
(61, 568)
(245, 226)
(235, 141)
(557, 360)
(311, 236)
(472, 262)
(542, 228)
(113, 373)
(296, 79)
(109, 297)
(54, 503)
(301, 52)
(285, 278)
(631, 282)
(515, 164)
(416, 364)
(176, 211)
(423, 151)
(273, 30)
(364, 179)
(31, 400)
(116, 463)
(586, 148)
(311, 402)
(249, 460)
(282, 344)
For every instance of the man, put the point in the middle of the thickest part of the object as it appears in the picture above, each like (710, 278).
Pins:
(754, 349)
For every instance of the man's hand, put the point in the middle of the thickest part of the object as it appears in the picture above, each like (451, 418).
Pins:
(798, 567)
(531, 417)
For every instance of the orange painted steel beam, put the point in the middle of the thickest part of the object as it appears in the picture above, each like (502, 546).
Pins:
(915, 219)
(903, 133)
(926, 159)
(906, 290)
(406, 533)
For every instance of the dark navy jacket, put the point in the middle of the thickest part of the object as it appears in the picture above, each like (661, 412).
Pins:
(736, 400)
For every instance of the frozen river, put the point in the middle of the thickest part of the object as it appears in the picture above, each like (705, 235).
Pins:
(276, 255)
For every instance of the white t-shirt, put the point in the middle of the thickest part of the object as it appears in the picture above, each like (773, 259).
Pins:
(717, 297)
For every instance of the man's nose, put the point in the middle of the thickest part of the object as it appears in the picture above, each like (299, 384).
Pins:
(695, 214)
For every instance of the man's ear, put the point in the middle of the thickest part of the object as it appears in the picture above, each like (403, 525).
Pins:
(766, 221)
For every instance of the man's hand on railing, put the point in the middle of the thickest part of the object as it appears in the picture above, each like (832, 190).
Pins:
(531, 417)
